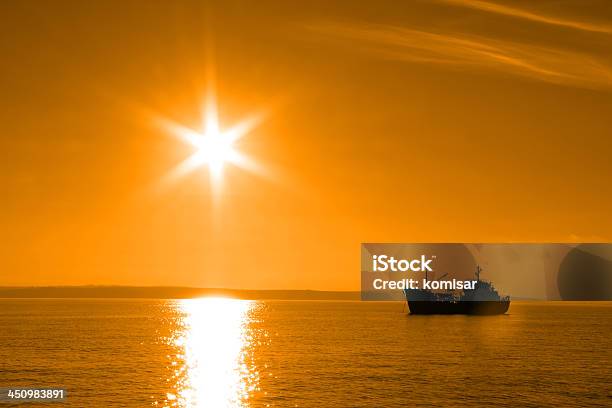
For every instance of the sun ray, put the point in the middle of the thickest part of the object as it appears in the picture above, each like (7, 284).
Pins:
(243, 127)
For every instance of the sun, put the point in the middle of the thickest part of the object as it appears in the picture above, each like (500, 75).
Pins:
(214, 150)
(213, 147)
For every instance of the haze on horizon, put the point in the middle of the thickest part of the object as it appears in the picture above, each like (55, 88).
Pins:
(426, 121)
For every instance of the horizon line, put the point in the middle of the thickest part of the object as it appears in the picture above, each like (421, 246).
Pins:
(170, 292)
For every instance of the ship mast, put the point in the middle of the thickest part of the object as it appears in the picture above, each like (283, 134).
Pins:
(478, 269)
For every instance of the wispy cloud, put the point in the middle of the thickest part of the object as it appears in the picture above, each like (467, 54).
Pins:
(529, 15)
(463, 51)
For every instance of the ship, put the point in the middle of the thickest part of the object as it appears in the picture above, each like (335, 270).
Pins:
(483, 299)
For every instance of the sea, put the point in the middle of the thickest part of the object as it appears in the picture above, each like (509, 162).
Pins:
(219, 352)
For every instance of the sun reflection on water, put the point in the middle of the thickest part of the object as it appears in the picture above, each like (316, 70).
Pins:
(215, 368)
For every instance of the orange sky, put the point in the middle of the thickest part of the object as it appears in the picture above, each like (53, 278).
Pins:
(422, 121)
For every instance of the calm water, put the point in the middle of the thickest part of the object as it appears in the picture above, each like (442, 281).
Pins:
(219, 352)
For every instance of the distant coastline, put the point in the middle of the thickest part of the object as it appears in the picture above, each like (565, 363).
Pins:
(167, 292)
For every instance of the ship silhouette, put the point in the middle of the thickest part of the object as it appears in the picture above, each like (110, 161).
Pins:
(483, 299)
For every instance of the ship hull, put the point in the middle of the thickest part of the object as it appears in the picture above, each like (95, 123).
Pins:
(481, 308)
